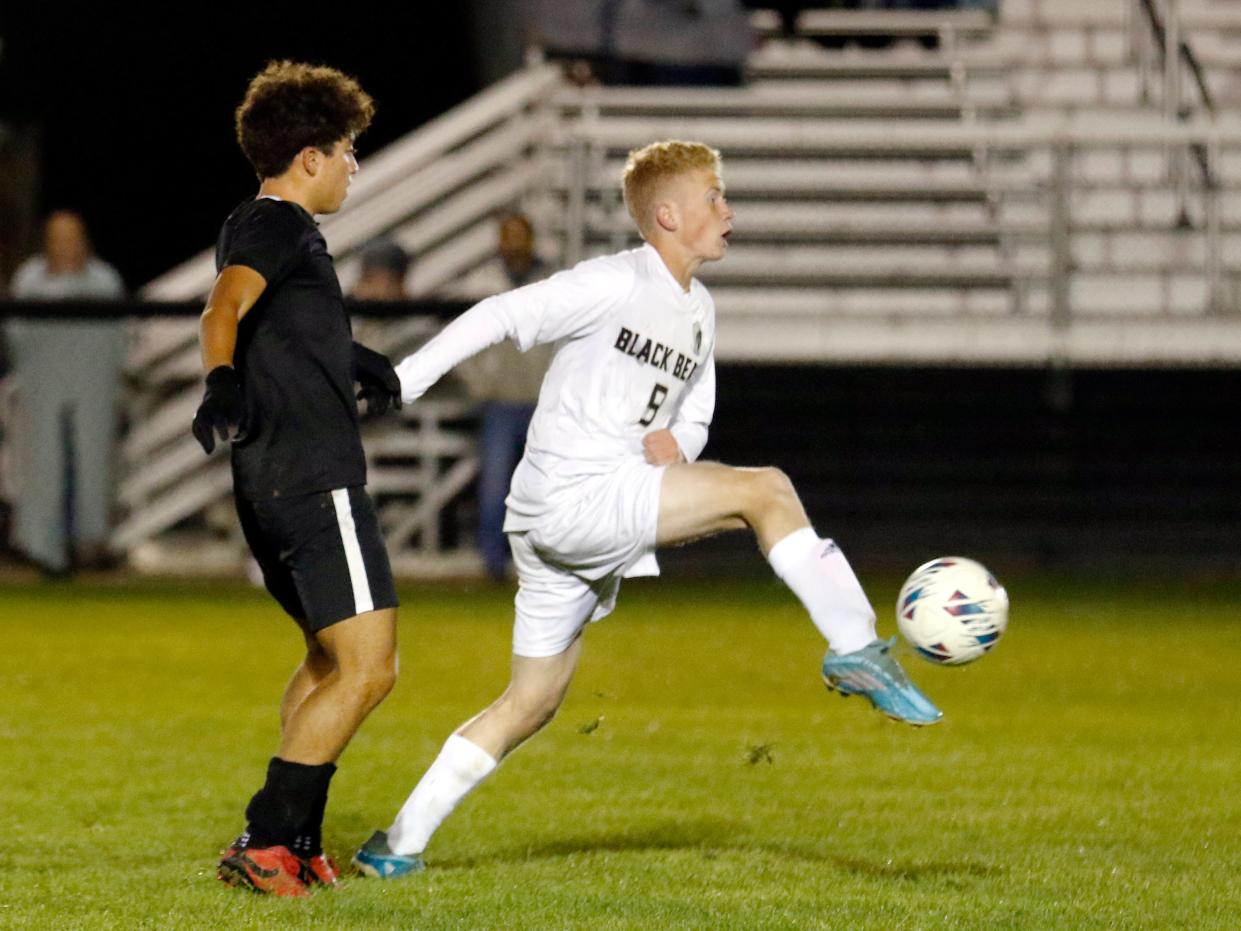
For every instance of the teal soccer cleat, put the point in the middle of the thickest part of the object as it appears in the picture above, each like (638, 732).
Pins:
(873, 672)
(376, 859)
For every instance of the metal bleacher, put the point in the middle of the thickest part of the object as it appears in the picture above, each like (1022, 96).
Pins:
(1058, 183)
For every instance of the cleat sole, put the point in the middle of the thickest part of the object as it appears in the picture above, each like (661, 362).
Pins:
(232, 872)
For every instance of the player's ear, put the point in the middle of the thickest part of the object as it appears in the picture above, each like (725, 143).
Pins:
(310, 159)
(666, 216)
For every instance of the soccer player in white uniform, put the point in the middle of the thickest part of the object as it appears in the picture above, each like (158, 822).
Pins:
(610, 473)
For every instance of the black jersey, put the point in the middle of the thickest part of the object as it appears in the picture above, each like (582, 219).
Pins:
(294, 356)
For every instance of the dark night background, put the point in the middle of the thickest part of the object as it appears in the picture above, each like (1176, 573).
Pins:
(134, 112)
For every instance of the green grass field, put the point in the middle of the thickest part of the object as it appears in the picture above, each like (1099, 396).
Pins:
(699, 776)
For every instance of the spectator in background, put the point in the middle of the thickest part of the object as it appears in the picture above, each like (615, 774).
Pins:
(684, 42)
(67, 268)
(578, 32)
(506, 384)
(385, 269)
(652, 42)
(68, 377)
(385, 266)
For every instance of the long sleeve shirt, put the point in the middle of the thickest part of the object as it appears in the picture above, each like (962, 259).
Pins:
(634, 353)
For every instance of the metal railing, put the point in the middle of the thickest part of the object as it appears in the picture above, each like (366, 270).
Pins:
(1160, 36)
(401, 179)
(1158, 23)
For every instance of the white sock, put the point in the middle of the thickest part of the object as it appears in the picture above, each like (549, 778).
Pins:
(460, 766)
(819, 575)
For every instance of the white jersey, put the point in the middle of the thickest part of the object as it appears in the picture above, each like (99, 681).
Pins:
(634, 353)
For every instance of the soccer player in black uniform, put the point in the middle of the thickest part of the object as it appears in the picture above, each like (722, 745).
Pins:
(281, 366)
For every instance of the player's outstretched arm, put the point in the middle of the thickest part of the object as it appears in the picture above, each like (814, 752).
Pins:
(236, 290)
(567, 304)
(481, 326)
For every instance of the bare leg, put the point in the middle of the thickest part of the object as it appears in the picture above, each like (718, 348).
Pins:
(362, 654)
(698, 499)
(537, 689)
(701, 498)
(312, 670)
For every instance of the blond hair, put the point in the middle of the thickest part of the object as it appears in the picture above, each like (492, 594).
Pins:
(648, 167)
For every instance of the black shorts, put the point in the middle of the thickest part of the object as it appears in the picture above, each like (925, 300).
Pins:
(322, 555)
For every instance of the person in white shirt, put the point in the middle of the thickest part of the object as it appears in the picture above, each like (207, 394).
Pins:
(610, 472)
(68, 374)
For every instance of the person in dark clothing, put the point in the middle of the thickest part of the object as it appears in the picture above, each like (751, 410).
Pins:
(281, 367)
(385, 266)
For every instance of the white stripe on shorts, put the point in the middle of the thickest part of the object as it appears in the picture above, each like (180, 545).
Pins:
(362, 601)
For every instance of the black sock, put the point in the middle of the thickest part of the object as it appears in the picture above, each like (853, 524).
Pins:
(309, 841)
(279, 812)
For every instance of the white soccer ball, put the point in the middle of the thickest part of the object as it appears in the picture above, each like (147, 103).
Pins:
(952, 610)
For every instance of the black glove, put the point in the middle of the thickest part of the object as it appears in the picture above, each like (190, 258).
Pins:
(220, 409)
(378, 383)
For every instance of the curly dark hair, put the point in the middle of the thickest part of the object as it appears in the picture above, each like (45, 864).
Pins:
(290, 105)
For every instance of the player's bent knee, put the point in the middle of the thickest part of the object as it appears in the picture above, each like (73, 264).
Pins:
(778, 483)
(769, 489)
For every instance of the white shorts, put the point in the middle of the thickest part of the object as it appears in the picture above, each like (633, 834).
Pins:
(569, 565)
